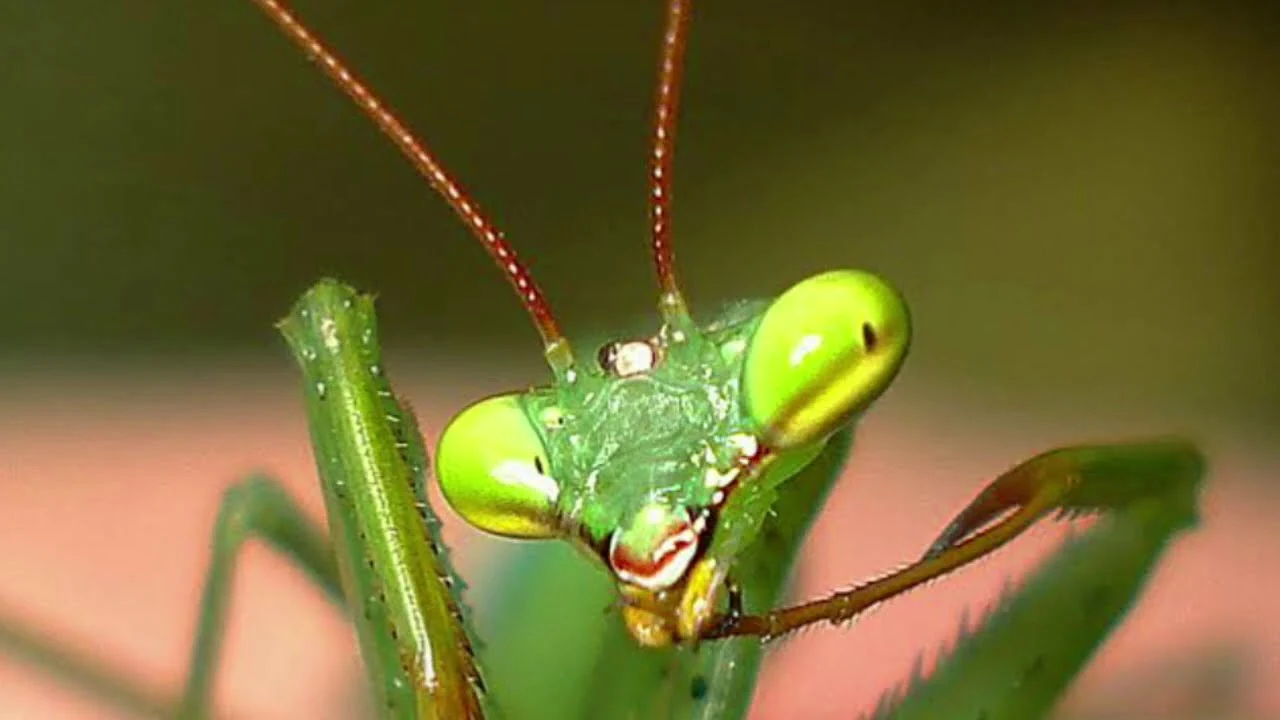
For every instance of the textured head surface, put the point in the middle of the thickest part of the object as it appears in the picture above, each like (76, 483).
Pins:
(635, 448)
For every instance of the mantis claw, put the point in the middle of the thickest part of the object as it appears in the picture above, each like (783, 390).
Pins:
(1076, 481)
(1023, 486)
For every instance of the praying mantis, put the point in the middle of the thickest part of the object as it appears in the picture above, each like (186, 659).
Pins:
(686, 466)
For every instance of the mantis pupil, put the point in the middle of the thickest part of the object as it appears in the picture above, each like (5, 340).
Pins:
(869, 338)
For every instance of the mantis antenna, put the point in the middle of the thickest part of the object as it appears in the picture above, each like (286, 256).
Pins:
(666, 110)
(556, 346)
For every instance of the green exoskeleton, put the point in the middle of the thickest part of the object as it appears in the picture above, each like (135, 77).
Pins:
(685, 467)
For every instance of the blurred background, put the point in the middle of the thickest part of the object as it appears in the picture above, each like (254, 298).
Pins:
(1078, 200)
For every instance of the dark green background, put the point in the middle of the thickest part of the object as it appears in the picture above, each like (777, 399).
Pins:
(1079, 199)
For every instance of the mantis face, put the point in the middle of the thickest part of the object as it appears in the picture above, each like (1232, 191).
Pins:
(636, 459)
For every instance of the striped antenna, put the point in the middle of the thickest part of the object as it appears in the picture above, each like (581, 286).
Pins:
(557, 348)
(666, 110)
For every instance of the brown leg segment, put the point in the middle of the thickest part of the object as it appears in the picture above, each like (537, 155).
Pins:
(1073, 480)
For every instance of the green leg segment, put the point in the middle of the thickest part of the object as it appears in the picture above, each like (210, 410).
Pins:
(257, 507)
(92, 677)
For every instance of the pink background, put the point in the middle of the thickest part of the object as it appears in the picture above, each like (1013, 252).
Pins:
(107, 499)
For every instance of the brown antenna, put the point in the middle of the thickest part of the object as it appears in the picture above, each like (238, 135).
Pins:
(661, 160)
(557, 348)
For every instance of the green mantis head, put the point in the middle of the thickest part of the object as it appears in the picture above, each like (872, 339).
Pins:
(634, 459)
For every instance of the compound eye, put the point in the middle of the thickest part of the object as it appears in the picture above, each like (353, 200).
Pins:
(824, 350)
(493, 470)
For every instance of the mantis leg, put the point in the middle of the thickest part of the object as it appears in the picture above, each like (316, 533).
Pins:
(256, 507)
(95, 678)
(1163, 474)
